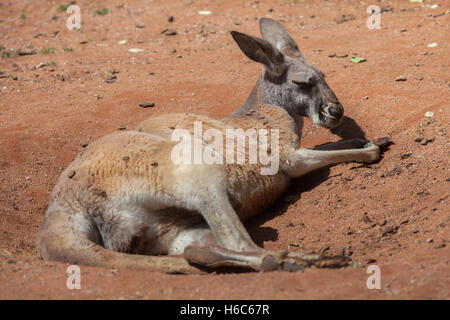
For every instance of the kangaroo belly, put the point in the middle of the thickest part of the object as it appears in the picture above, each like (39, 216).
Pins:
(251, 193)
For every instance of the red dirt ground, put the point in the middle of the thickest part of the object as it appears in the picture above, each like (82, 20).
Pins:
(394, 213)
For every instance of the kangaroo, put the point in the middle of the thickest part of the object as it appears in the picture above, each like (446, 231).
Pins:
(123, 203)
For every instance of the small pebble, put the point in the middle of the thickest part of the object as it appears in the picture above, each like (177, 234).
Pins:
(406, 155)
(135, 50)
(340, 55)
(39, 65)
(169, 32)
(389, 230)
(170, 19)
(146, 104)
(401, 78)
(429, 114)
(126, 158)
(111, 79)
(366, 218)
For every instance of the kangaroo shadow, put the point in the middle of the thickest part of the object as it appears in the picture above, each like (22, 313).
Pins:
(292, 194)
(348, 129)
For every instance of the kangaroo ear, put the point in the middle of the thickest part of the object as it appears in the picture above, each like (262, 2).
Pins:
(276, 34)
(261, 51)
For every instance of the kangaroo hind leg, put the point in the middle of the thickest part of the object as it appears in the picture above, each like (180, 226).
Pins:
(71, 237)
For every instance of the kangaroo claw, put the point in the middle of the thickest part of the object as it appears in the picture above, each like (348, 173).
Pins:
(332, 262)
(320, 260)
(383, 143)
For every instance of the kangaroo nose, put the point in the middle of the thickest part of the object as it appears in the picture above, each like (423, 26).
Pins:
(336, 110)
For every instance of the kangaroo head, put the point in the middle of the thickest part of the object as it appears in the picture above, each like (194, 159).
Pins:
(288, 80)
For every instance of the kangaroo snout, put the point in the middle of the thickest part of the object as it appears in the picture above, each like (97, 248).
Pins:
(333, 114)
(336, 111)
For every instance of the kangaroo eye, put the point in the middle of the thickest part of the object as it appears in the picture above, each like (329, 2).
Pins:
(302, 85)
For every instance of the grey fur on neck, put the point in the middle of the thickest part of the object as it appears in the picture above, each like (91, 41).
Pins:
(264, 92)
